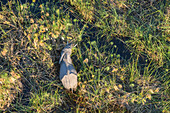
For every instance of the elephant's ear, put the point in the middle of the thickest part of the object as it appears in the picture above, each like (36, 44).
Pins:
(62, 57)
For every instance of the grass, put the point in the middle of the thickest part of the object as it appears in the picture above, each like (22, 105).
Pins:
(122, 55)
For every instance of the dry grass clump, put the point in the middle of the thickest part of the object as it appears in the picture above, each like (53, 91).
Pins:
(84, 8)
(10, 87)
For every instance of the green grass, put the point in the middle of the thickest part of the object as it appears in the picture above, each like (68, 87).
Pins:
(122, 56)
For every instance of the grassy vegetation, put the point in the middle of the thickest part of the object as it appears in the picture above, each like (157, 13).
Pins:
(122, 55)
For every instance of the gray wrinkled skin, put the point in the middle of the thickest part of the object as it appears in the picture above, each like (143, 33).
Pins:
(68, 74)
